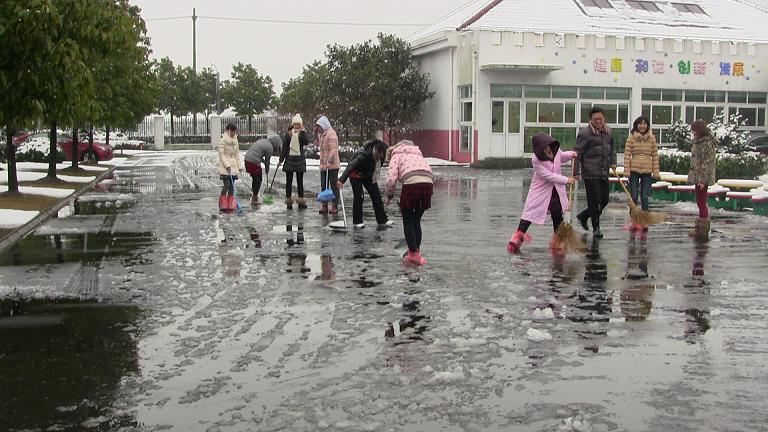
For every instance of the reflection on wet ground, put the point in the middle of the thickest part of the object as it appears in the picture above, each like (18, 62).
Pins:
(143, 308)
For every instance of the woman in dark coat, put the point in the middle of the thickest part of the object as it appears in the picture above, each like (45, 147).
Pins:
(362, 172)
(295, 161)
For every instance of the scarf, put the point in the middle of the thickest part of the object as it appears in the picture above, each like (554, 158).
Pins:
(295, 147)
(603, 130)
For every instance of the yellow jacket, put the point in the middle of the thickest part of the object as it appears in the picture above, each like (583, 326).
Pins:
(641, 154)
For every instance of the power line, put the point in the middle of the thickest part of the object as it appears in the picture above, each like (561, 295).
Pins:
(276, 21)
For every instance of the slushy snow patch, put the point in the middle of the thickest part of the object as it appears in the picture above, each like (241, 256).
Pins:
(535, 335)
(543, 314)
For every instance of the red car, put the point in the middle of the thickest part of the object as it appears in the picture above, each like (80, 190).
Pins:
(101, 151)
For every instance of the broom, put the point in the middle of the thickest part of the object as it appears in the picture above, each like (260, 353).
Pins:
(269, 199)
(565, 236)
(640, 216)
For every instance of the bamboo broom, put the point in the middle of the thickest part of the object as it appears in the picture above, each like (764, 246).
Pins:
(641, 216)
(565, 236)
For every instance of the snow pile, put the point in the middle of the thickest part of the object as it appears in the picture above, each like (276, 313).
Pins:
(543, 314)
(14, 218)
(535, 335)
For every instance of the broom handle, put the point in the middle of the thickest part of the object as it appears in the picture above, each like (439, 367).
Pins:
(624, 187)
(269, 189)
(573, 174)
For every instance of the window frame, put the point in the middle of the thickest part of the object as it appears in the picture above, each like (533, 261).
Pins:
(643, 5)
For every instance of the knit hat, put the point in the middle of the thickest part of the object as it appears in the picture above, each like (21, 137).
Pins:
(297, 119)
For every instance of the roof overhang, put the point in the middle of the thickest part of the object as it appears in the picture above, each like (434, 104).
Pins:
(521, 67)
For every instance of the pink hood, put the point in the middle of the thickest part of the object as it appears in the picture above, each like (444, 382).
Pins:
(405, 159)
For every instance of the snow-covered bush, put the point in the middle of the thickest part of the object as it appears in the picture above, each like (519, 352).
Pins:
(727, 132)
(680, 134)
(37, 150)
(744, 165)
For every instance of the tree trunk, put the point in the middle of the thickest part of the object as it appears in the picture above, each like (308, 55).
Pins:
(172, 134)
(194, 124)
(75, 149)
(207, 122)
(90, 140)
(249, 125)
(10, 155)
(52, 152)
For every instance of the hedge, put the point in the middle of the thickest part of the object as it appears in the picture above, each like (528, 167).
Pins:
(745, 165)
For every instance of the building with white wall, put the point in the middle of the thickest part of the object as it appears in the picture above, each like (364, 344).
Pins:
(503, 70)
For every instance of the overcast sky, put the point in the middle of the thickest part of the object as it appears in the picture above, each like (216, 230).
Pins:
(279, 50)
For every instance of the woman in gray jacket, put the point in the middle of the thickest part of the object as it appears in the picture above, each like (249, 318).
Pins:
(260, 152)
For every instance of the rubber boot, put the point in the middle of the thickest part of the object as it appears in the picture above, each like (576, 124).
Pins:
(323, 208)
(289, 203)
(596, 232)
(334, 209)
(255, 200)
(414, 258)
(231, 203)
(517, 240)
(223, 203)
(302, 202)
(701, 230)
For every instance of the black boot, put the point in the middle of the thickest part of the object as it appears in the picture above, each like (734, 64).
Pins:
(583, 217)
(596, 233)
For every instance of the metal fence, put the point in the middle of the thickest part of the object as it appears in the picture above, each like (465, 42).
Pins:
(186, 126)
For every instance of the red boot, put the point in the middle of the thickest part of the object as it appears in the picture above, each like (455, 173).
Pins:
(517, 240)
(231, 203)
(323, 208)
(223, 203)
(334, 209)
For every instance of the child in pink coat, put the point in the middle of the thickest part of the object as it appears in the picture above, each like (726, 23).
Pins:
(547, 192)
(408, 166)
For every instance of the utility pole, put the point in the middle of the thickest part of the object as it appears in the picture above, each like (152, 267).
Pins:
(194, 40)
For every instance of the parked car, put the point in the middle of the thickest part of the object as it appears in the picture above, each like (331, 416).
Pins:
(101, 151)
(758, 143)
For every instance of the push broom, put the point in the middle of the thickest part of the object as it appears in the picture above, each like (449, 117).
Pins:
(565, 236)
(640, 216)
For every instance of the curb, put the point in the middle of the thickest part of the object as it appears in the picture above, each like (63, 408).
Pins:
(22, 231)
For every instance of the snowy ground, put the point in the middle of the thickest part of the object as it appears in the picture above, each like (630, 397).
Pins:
(285, 325)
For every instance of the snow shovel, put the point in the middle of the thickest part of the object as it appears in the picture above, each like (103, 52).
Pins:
(268, 198)
(342, 224)
(234, 194)
(565, 237)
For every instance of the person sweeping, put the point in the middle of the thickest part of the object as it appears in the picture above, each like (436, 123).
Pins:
(408, 166)
(229, 167)
(641, 161)
(260, 152)
(363, 171)
(328, 148)
(547, 192)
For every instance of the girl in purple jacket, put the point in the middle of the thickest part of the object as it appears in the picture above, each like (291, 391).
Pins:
(547, 192)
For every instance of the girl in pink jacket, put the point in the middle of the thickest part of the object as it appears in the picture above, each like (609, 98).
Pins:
(547, 191)
(408, 166)
(328, 146)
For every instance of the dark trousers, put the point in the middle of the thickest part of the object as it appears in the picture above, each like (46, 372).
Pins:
(229, 185)
(255, 184)
(640, 183)
(597, 199)
(357, 204)
(555, 209)
(328, 179)
(289, 184)
(412, 228)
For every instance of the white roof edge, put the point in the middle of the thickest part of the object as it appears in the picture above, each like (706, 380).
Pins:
(606, 34)
(437, 41)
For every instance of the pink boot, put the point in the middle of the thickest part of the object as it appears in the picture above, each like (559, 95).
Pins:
(414, 258)
(517, 240)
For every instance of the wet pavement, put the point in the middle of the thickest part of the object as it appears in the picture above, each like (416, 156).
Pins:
(145, 310)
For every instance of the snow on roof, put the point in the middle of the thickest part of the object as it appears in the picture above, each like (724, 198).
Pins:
(730, 20)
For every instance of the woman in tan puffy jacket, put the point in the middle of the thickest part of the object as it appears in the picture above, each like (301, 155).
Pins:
(229, 167)
(641, 160)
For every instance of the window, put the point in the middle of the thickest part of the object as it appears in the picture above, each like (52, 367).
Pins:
(465, 92)
(651, 94)
(466, 111)
(694, 95)
(551, 113)
(506, 91)
(688, 8)
(617, 93)
(466, 138)
(737, 97)
(497, 117)
(663, 95)
(538, 91)
(671, 95)
(715, 96)
(602, 4)
(757, 98)
(643, 5)
(564, 92)
(752, 116)
(592, 92)
(513, 117)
